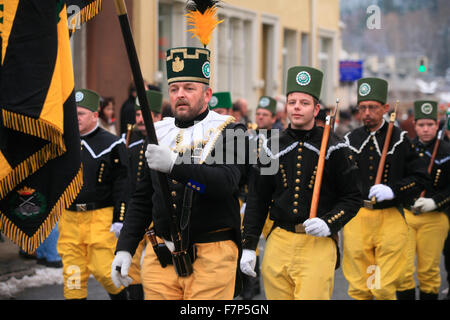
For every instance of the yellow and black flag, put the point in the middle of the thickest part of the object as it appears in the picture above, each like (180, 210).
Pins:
(40, 164)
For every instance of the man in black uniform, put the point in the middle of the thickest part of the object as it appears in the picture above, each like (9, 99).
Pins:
(300, 256)
(375, 240)
(428, 222)
(87, 229)
(136, 148)
(210, 222)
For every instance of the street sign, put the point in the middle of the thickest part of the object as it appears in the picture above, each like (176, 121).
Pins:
(350, 70)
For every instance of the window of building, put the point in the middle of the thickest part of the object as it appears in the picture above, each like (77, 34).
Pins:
(305, 49)
(234, 53)
(289, 53)
(327, 64)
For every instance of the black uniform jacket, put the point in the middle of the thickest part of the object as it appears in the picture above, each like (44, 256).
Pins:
(439, 188)
(288, 193)
(136, 153)
(215, 205)
(404, 171)
(105, 173)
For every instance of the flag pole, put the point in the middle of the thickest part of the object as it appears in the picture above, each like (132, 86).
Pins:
(180, 257)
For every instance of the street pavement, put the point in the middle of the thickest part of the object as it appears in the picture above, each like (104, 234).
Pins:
(23, 279)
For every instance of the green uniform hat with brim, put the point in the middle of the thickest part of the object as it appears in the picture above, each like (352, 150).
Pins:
(154, 99)
(87, 99)
(425, 109)
(304, 79)
(267, 103)
(188, 65)
(372, 89)
(220, 100)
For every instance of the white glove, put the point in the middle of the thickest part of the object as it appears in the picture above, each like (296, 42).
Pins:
(160, 158)
(169, 244)
(122, 260)
(248, 262)
(116, 227)
(425, 204)
(381, 192)
(244, 205)
(316, 227)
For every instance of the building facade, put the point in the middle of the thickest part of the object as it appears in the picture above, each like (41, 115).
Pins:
(252, 49)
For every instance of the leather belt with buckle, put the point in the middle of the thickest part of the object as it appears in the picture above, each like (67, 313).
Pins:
(82, 207)
(296, 228)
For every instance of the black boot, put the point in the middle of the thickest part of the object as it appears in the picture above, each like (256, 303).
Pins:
(122, 295)
(409, 294)
(428, 296)
(135, 292)
(257, 286)
(247, 289)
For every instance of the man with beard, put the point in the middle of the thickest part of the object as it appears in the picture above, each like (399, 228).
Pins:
(203, 185)
(375, 240)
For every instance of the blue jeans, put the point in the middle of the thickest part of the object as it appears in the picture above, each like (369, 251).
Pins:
(47, 250)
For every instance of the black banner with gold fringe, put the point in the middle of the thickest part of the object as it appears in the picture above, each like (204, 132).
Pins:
(40, 163)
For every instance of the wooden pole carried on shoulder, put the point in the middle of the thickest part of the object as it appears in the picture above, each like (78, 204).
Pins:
(321, 162)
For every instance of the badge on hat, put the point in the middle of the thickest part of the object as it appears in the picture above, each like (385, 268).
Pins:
(79, 96)
(425, 109)
(304, 79)
(364, 89)
(87, 99)
(220, 100)
(213, 102)
(372, 89)
(268, 103)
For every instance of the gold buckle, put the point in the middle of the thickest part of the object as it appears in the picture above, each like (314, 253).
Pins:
(299, 228)
(81, 207)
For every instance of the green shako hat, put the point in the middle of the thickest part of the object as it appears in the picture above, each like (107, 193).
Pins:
(372, 89)
(188, 65)
(304, 79)
(87, 99)
(425, 109)
(267, 103)
(220, 100)
(154, 99)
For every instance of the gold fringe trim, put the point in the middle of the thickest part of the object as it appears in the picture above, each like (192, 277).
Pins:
(30, 244)
(85, 14)
(34, 162)
(230, 119)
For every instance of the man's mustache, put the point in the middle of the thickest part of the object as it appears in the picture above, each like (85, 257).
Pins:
(181, 102)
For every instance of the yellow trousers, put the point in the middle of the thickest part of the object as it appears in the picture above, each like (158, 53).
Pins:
(213, 277)
(86, 246)
(135, 268)
(374, 253)
(427, 234)
(298, 266)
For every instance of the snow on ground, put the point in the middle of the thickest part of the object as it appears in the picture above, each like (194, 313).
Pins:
(42, 277)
